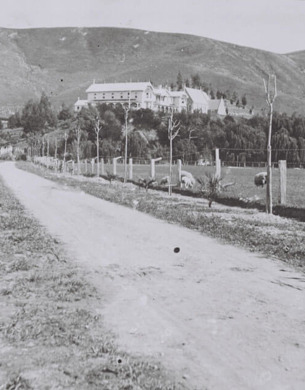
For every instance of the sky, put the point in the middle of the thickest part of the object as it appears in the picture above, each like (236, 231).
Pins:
(273, 25)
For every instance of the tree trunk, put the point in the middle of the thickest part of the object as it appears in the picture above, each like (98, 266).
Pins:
(170, 165)
(269, 168)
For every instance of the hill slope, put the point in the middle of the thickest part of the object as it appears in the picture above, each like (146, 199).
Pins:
(64, 61)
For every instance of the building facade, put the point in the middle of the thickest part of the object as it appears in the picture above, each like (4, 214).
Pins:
(144, 95)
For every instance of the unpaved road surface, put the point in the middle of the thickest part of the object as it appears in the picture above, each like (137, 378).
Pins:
(215, 315)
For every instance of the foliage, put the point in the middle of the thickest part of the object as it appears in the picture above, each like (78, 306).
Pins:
(210, 186)
(37, 115)
(65, 113)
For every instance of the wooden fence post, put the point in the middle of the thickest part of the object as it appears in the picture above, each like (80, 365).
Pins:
(152, 167)
(114, 161)
(218, 164)
(130, 169)
(86, 167)
(283, 181)
(92, 166)
(102, 167)
(179, 163)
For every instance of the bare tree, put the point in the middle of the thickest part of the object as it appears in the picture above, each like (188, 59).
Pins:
(97, 128)
(126, 109)
(78, 133)
(173, 131)
(55, 151)
(271, 93)
(65, 151)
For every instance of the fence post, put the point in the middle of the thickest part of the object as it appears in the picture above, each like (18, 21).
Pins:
(218, 164)
(152, 167)
(179, 163)
(102, 167)
(130, 169)
(114, 161)
(283, 181)
(86, 167)
(92, 166)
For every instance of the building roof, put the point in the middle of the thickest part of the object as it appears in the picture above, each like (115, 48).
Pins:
(214, 104)
(238, 111)
(177, 93)
(81, 102)
(162, 91)
(197, 95)
(118, 87)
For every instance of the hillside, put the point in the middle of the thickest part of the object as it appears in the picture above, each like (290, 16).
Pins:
(64, 61)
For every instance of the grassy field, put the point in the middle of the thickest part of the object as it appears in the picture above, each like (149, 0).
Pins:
(243, 177)
(270, 235)
(51, 335)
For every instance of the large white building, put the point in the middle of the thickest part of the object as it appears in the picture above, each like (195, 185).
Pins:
(145, 95)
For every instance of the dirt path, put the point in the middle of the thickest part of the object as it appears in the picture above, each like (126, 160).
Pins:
(215, 315)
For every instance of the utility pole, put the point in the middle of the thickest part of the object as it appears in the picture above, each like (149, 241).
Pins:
(126, 109)
(271, 93)
(173, 130)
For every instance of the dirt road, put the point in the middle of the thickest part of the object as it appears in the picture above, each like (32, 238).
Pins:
(215, 315)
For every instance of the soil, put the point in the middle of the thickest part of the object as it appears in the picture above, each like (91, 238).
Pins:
(215, 315)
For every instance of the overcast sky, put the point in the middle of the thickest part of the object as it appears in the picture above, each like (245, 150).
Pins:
(274, 25)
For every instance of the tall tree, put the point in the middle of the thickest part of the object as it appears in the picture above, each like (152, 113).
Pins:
(179, 82)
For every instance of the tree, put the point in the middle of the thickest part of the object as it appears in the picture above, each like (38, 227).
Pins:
(270, 97)
(37, 115)
(97, 128)
(179, 82)
(219, 95)
(65, 113)
(196, 81)
(173, 130)
(244, 101)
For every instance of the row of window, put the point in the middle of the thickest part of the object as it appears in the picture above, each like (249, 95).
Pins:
(121, 95)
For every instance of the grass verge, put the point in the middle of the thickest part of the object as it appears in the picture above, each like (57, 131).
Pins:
(270, 235)
(51, 335)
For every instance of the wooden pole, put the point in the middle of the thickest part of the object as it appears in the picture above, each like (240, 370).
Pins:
(179, 162)
(270, 97)
(102, 167)
(92, 166)
(269, 168)
(114, 162)
(283, 181)
(152, 168)
(218, 164)
(130, 169)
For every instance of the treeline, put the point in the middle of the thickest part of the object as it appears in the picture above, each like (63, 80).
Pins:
(239, 140)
